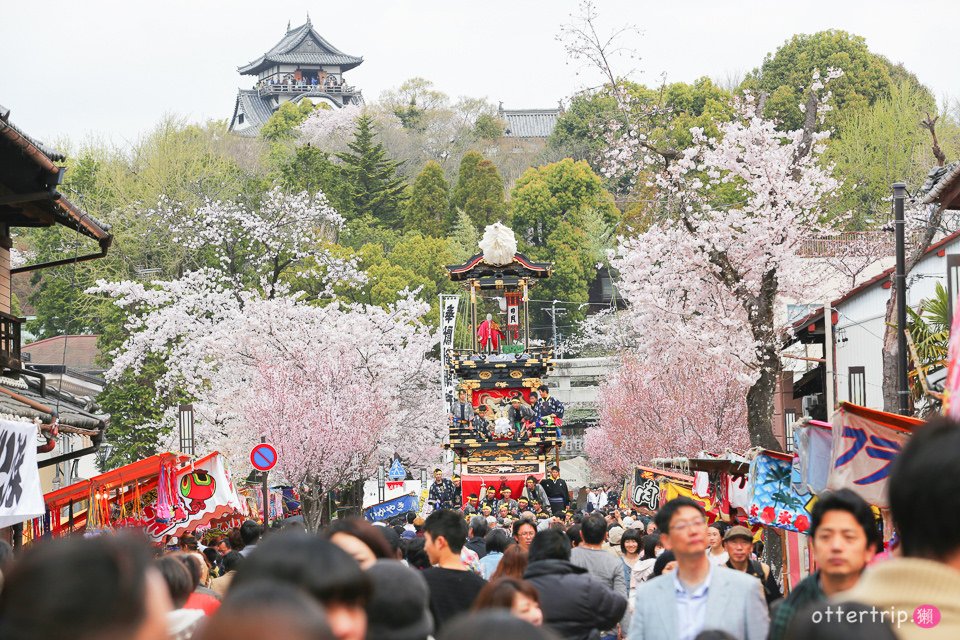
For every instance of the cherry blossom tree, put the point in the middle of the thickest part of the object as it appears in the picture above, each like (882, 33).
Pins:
(650, 412)
(330, 129)
(710, 278)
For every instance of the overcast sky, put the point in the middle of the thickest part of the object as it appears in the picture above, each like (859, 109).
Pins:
(75, 69)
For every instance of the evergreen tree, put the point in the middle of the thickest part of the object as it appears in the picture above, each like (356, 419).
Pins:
(464, 238)
(372, 183)
(428, 209)
(479, 190)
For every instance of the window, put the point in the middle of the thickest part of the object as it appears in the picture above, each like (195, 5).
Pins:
(953, 283)
(239, 118)
(789, 417)
(858, 386)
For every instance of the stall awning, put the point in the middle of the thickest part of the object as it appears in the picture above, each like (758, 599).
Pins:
(113, 479)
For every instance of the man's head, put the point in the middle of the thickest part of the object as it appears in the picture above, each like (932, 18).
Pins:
(482, 410)
(593, 529)
(250, 532)
(544, 391)
(549, 544)
(486, 510)
(536, 506)
(714, 536)
(505, 492)
(472, 499)
(515, 401)
(738, 542)
(456, 480)
(478, 526)
(444, 533)
(555, 472)
(462, 395)
(523, 532)
(683, 527)
(923, 483)
(223, 546)
(491, 493)
(437, 475)
(531, 482)
(523, 503)
(503, 511)
(845, 534)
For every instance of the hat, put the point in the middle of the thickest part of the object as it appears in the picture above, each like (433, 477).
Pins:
(614, 535)
(627, 522)
(738, 531)
(399, 606)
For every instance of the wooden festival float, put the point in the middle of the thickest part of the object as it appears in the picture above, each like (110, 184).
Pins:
(494, 360)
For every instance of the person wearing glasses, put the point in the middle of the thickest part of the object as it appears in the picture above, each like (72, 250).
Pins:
(697, 596)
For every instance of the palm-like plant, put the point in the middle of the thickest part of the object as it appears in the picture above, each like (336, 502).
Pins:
(929, 327)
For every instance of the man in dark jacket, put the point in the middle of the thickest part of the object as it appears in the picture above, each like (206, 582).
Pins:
(575, 605)
(556, 489)
(478, 529)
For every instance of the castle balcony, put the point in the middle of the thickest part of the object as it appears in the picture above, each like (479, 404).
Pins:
(288, 89)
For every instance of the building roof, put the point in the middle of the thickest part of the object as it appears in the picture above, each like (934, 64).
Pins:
(939, 183)
(303, 46)
(529, 123)
(28, 169)
(72, 410)
(256, 111)
(76, 352)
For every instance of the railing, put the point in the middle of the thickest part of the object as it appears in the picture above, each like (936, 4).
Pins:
(10, 340)
(848, 243)
(293, 87)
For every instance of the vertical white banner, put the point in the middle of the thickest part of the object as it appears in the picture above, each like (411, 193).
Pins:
(20, 495)
(448, 322)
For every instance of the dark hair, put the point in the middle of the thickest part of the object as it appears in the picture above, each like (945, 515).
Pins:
(224, 540)
(666, 512)
(499, 594)
(513, 563)
(48, 591)
(449, 525)
(192, 567)
(303, 560)
(363, 531)
(529, 478)
(554, 468)
(923, 482)
(630, 534)
(650, 543)
(212, 555)
(231, 561)
(437, 470)
(593, 529)
(177, 576)
(410, 517)
(497, 540)
(267, 610)
(490, 487)
(574, 534)
(479, 526)
(550, 545)
(661, 563)
(501, 624)
(236, 541)
(415, 555)
(847, 500)
(519, 523)
(250, 532)
(544, 387)
(472, 495)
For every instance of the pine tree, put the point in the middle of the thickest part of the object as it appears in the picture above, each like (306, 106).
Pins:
(479, 190)
(428, 209)
(371, 177)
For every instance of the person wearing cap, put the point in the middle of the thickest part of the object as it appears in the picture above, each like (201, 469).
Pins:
(738, 541)
(399, 608)
(472, 507)
(697, 596)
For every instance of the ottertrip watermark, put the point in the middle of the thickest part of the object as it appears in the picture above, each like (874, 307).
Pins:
(925, 616)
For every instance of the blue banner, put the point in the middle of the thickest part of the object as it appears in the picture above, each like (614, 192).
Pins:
(391, 508)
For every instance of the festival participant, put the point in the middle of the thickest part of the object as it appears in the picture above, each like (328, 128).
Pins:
(575, 605)
(491, 499)
(503, 514)
(453, 587)
(49, 589)
(845, 538)
(738, 541)
(556, 491)
(364, 542)
(519, 597)
(534, 493)
(519, 413)
(495, 542)
(481, 423)
(462, 411)
(400, 606)
(250, 533)
(505, 500)
(442, 492)
(267, 610)
(697, 596)
(548, 409)
(318, 567)
(524, 532)
(486, 511)
(513, 564)
(457, 491)
(715, 551)
(472, 507)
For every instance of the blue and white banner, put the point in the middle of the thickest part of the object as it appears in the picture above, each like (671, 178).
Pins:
(448, 324)
(391, 508)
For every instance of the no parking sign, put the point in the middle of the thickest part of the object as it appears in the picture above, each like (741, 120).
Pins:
(263, 457)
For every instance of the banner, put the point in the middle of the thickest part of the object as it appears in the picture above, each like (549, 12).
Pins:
(391, 508)
(865, 443)
(814, 457)
(773, 502)
(20, 495)
(448, 323)
(204, 492)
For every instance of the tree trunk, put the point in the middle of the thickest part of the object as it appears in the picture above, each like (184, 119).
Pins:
(313, 504)
(891, 349)
(760, 404)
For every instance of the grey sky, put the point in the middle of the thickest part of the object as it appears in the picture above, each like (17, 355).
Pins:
(74, 69)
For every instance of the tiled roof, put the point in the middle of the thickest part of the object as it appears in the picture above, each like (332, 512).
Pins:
(302, 45)
(256, 110)
(73, 410)
(50, 152)
(529, 123)
(939, 180)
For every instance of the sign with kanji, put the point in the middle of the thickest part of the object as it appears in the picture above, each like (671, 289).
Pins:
(391, 508)
(263, 457)
(448, 324)
(865, 444)
(20, 495)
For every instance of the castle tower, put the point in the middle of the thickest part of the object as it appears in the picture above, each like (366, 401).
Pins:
(302, 66)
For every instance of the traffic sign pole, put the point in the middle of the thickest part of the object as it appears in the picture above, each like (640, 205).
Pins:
(266, 493)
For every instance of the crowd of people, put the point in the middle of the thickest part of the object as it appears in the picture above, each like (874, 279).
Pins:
(455, 574)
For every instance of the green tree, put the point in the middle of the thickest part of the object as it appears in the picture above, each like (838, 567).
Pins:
(310, 169)
(372, 183)
(479, 190)
(464, 238)
(786, 74)
(561, 191)
(284, 121)
(428, 209)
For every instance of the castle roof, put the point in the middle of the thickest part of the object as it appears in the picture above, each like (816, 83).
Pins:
(302, 46)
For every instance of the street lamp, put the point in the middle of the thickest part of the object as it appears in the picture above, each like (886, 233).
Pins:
(186, 429)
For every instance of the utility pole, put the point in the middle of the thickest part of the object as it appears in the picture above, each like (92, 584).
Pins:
(828, 357)
(553, 311)
(900, 282)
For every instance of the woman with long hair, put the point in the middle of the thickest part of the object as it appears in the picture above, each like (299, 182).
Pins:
(512, 564)
(518, 596)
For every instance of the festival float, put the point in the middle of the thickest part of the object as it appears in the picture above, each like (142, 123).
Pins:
(498, 366)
